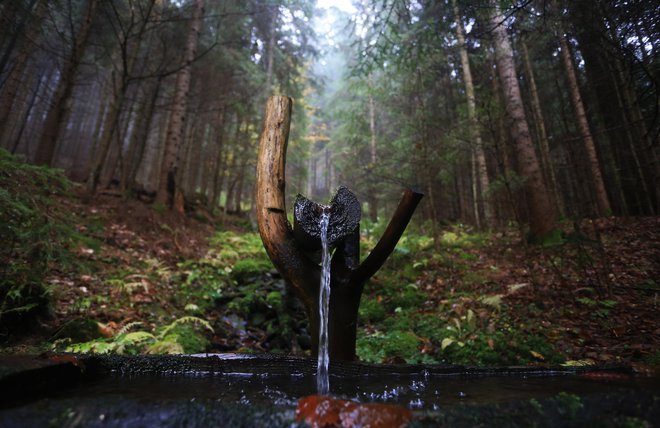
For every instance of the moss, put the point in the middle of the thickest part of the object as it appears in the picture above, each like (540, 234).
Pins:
(397, 345)
(245, 270)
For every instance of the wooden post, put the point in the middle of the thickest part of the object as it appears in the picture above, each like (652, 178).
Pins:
(291, 256)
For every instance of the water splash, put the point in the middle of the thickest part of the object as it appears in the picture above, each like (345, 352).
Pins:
(322, 378)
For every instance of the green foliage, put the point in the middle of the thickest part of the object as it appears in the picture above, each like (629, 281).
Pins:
(393, 345)
(452, 333)
(247, 269)
(571, 403)
(183, 335)
(600, 308)
(34, 236)
(371, 310)
(235, 278)
(233, 261)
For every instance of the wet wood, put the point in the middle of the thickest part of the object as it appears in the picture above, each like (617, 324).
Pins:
(345, 215)
(274, 228)
(292, 250)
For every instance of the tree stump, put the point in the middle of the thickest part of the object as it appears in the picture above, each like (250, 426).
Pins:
(289, 247)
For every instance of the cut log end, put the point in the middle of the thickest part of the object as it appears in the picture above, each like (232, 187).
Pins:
(345, 213)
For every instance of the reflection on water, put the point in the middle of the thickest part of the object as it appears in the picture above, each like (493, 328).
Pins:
(416, 392)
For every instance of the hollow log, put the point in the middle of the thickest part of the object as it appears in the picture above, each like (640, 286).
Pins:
(289, 251)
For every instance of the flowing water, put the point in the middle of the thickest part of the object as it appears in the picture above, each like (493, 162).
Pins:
(322, 378)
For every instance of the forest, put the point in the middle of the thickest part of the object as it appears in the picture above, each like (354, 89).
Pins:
(129, 132)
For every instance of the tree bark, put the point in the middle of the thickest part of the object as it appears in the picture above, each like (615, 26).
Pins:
(602, 200)
(541, 210)
(60, 102)
(167, 185)
(539, 120)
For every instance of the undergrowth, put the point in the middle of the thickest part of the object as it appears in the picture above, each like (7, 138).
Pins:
(183, 335)
(36, 237)
(404, 319)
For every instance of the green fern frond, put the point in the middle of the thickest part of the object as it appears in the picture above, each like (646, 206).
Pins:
(194, 321)
(125, 329)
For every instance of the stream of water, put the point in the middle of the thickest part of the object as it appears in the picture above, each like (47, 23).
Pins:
(322, 378)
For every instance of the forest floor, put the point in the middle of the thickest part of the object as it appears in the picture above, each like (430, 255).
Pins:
(467, 297)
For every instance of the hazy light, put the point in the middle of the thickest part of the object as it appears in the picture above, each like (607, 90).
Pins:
(343, 5)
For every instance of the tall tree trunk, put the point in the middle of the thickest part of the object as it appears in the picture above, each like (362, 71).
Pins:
(479, 155)
(167, 185)
(31, 103)
(60, 102)
(219, 167)
(272, 39)
(138, 142)
(372, 198)
(542, 214)
(539, 120)
(109, 131)
(602, 199)
(17, 76)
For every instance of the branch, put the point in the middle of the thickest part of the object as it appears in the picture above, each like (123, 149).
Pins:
(390, 237)
(274, 228)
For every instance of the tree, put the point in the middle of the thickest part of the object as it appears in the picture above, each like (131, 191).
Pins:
(60, 102)
(479, 155)
(127, 48)
(602, 200)
(167, 184)
(541, 211)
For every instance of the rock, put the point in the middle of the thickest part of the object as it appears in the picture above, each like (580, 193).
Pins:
(320, 411)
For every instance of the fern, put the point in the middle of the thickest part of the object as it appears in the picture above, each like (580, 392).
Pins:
(165, 347)
(125, 329)
(194, 321)
(171, 339)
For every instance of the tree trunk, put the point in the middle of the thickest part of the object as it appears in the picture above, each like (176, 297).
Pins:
(17, 75)
(541, 211)
(60, 102)
(372, 199)
(271, 50)
(31, 103)
(479, 156)
(219, 170)
(539, 120)
(602, 200)
(167, 185)
(105, 140)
